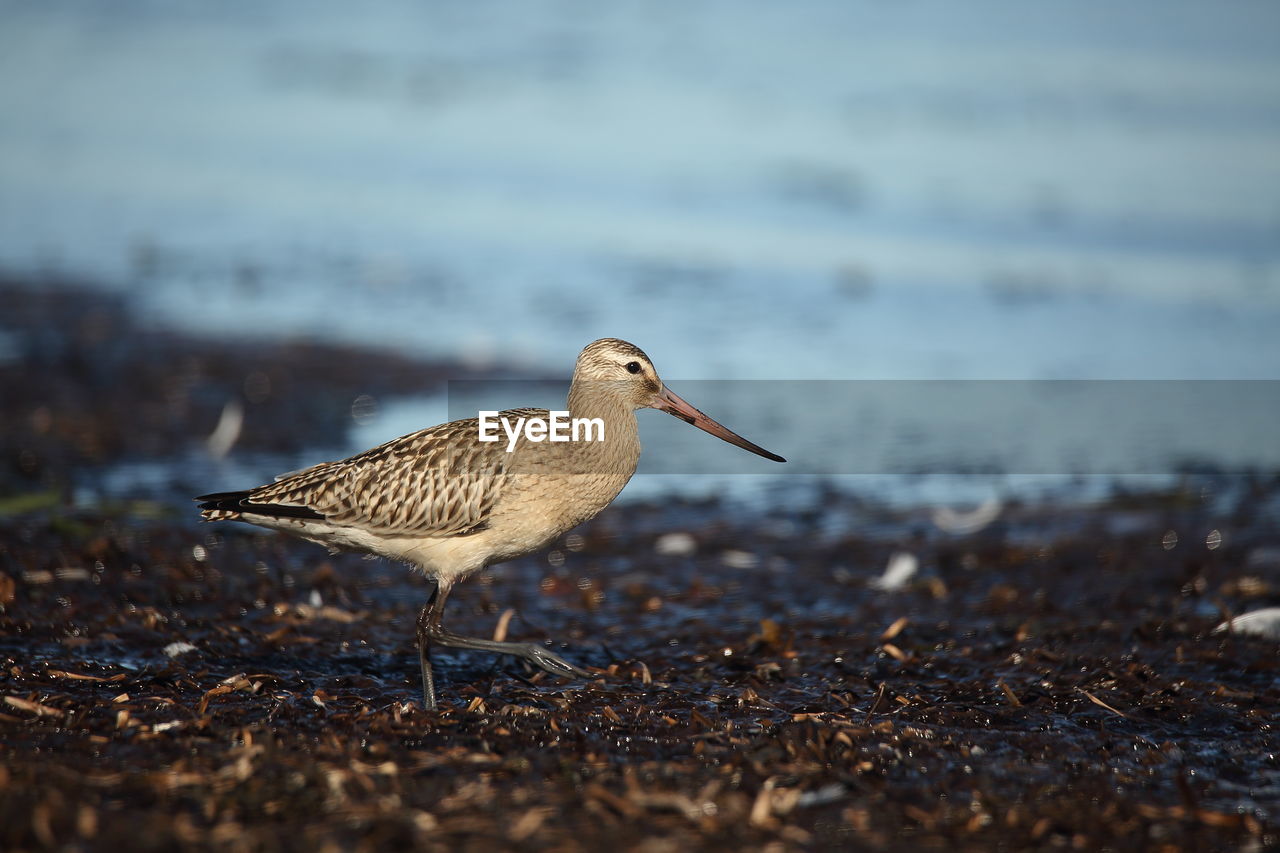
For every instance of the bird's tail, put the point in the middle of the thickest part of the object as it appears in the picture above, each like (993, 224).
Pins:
(229, 506)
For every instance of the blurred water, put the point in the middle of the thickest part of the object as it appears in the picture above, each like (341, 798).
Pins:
(833, 190)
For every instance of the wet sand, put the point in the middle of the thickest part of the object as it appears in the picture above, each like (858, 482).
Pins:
(1051, 681)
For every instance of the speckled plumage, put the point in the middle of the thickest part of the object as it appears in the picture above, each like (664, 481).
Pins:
(433, 482)
(451, 504)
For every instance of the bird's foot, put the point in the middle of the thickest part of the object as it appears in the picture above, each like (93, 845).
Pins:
(540, 657)
(531, 653)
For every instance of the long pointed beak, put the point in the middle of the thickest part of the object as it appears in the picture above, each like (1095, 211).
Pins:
(671, 403)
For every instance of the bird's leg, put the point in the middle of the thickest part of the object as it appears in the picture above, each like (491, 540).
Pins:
(430, 632)
(429, 617)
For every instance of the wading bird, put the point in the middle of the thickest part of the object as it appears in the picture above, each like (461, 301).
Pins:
(449, 503)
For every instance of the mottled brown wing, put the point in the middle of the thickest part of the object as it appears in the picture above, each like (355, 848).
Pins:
(441, 481)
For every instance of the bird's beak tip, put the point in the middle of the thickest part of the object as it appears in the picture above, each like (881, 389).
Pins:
(668, 401)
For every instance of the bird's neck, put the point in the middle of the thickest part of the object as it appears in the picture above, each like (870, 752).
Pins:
(592, 400)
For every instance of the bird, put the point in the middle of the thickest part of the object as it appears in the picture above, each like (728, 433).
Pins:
(450, 502)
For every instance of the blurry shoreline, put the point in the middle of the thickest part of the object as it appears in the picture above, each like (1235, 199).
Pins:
(94, 391)
(87, 384)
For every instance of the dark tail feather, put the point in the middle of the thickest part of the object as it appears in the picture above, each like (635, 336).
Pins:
(223, 500)
(239, 502)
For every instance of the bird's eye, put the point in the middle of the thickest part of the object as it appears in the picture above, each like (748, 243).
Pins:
(633, 367)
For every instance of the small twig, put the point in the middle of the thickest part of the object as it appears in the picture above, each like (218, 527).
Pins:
(504, 622)
(1095, 700)
(875, 706)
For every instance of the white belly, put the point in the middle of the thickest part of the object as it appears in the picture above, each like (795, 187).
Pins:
(532, 513)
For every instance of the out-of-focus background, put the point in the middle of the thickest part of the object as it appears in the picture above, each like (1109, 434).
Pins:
(832, 190)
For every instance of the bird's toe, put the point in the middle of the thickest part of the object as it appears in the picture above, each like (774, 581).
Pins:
(553, 663)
